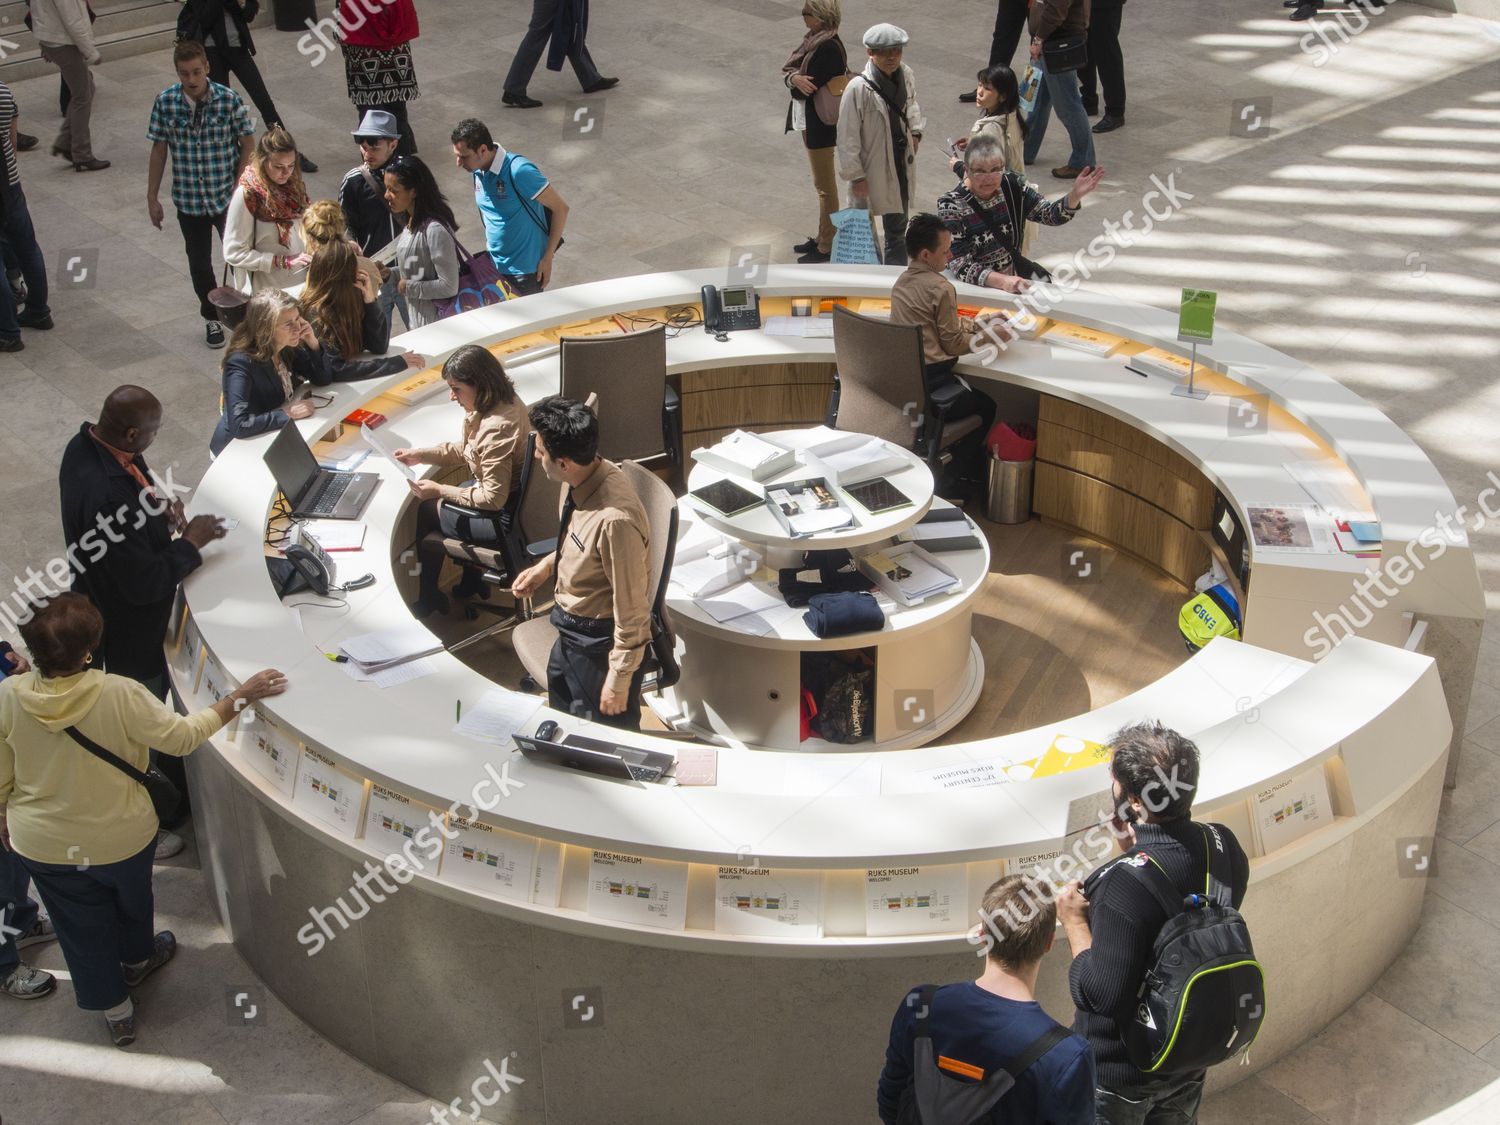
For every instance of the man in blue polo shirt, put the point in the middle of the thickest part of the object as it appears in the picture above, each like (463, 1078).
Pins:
(951, 1046)
(206, 130)
(523, 214)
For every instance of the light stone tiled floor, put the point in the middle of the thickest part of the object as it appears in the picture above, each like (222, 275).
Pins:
(1359, 232)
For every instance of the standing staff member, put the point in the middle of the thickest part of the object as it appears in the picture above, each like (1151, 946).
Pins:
(603, 610)
(207, 130)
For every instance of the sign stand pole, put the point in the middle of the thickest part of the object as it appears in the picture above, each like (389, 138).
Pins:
(1187, 390)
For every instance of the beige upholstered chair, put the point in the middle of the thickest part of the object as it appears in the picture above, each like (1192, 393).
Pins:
(880, 389)
(640, 419)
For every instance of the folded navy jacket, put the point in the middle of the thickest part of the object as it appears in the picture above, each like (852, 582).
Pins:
(838, 615)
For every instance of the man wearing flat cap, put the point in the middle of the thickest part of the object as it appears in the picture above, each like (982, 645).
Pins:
(880, 127)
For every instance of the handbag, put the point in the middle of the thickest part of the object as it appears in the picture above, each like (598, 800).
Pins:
(228, 299)
(479, 283)
(165, 799)
(1063, 53)
(825, 98)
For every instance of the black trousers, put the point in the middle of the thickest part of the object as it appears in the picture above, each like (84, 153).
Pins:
(944, 389)
(578, 666)
(430, 555)
(1105, 57)
(198, 241)
(1010, 21)
(224, 61)
(529, 52)
(407, 145)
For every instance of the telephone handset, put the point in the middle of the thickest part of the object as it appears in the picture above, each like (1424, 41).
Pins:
(730, 310)
(312, 566)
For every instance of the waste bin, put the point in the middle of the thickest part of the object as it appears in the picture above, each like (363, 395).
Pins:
(1010, 490)
(294, 15)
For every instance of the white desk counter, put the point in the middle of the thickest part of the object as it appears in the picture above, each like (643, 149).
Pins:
(1370, 720)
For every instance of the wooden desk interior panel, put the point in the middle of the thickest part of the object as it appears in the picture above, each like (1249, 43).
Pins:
(1132, 524)
(1074, 417)
(1190, 499)
(761, 397)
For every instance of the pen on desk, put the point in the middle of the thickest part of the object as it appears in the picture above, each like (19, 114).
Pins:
(458, 709)
(337, 657)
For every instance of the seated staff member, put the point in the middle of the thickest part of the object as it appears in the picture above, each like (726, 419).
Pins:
(924, 297)
(986, 242)
(492, 445)
(426, 250)
(271, 354)
(340, 302)
(603, 606)
(262, 232)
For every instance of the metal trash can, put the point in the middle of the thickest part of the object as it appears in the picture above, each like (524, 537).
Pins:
(1009, 498)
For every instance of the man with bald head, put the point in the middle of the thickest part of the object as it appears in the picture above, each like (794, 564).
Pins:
(128, 544)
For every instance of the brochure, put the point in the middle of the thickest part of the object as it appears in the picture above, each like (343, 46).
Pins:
(807, 507)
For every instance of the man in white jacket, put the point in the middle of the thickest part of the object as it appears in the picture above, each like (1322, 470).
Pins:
(880, 127)
(67, 41)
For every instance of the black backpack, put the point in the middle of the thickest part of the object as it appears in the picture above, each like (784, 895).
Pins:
(1203, 999)
(937, 1098)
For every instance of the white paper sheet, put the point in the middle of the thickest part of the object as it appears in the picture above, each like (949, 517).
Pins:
(387, 645)
(326, 792)
(498, 715)
(386, 450)
(490, 860)
(916, 900)
(771, 903)
(739, 600)
(392, 675)
(648, 892)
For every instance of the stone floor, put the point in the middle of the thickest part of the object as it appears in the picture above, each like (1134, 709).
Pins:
(1344, 204)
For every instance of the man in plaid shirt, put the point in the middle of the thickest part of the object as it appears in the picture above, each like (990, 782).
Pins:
(207, 130)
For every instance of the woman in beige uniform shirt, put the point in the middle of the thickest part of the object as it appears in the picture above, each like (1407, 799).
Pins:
(492, 446)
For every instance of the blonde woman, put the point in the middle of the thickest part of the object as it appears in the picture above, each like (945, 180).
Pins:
(262, 235)
(816, 75)
(272, 353)
(323, 223)
(339, 301)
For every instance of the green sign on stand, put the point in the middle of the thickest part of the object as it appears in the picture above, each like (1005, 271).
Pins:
(1195, 321)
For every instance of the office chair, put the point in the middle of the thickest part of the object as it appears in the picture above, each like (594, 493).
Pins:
(645, 418)
(878, 388)
(533, 639)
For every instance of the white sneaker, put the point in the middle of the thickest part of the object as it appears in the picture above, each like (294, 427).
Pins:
(168, 844)
(28, 983)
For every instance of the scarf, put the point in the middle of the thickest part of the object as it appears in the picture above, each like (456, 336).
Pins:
(281, 204)
(797, 61)
(891, 87)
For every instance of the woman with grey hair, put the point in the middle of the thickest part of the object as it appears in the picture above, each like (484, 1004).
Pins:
(986, 216)
(816, 74)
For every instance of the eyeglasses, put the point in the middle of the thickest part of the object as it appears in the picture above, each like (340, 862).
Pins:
(317, 399)
(986, 171)
(371, 142)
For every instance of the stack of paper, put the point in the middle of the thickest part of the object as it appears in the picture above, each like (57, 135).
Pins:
(500, 714)
(1155, 361)
(746, 455)
(811, 327)
(421, 386)
(1291, 528)
(374, 652)
(851, 458)
(740, 600)
(1079, 338)
(705, 561)
(1333, 487)
(907, 573)
(336, 535)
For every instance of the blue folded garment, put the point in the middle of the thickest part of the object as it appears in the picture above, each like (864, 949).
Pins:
(838, 615)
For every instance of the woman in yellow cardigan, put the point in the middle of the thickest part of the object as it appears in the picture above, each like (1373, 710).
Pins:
(84, 829)
(492, 447)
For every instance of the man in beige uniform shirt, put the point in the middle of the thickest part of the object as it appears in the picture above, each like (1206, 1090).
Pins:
(603, 604)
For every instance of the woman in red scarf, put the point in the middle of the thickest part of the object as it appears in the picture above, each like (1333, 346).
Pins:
(376, 38)
(262, 235)
(816, 74)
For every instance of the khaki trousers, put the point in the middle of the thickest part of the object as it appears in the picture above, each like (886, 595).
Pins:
(74, 136)
(826, 184)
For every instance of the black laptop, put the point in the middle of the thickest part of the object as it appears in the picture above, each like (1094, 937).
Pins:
(314, 492)
(592, 755)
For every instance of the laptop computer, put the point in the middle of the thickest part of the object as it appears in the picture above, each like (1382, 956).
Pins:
(314, 492)
(592, 755)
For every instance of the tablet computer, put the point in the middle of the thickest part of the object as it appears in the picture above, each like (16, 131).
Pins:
(727, 498)
(877, 496)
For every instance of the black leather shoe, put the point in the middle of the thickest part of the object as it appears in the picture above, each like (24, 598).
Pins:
(92, 164)
(307, 166)
(813, 256)
(1305, 12)
(968, 97)
(1109, 123)
(40, 323)
(1291, 3)
(600, 86)
(25, 142)
(805, 247)
(9, 345)
(519, 101)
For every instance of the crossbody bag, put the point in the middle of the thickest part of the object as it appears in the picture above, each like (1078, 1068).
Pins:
(165, 798)
(545, 220)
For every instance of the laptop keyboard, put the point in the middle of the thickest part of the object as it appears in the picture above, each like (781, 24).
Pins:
(328, 498)
(643, 773)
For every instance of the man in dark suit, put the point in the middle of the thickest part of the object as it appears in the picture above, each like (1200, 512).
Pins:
(1010, 21)
(1108, 62)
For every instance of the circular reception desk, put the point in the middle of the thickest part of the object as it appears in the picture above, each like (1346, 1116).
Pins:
(433, 903)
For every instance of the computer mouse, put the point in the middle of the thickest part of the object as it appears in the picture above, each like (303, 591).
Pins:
(547, 732)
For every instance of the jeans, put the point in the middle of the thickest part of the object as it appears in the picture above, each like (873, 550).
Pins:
(18, 910)
(1061, 93)
(529, 53)
(20, 235)
(198, 241)
(222, 61)
(389, 298)
(1166, 1102)
(1105, 58)
(894, 228)
(74, 136)
(103, 914)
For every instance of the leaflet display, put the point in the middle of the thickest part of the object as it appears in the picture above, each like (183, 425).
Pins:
(328, 793)
(647, 892)
(916, 900)
(490, 860)
(806, 507)
(269, 751)
(1290, 809)
(763, 902)
(397, 825)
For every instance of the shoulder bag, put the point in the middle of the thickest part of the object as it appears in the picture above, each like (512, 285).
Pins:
(825, 98)
(479, 283)
(165, 798)
(1062, 53)
(545, 221)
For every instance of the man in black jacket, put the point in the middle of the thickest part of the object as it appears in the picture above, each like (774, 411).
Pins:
(119, 528)
(1111, 921)
(371, 222)
(223, 27)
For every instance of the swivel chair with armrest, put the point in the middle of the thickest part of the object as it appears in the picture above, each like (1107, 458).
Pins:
(644, 420)
(878, 389)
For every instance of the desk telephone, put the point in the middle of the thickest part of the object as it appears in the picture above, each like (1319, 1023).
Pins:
(730, 310)
(313, 569)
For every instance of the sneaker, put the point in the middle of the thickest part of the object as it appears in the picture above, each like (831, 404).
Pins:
(805, 247)
(215, 333)
(813, 255)
(164, 947)
(168, 844)
(28, 983)
(122, 1031)
(40, 931)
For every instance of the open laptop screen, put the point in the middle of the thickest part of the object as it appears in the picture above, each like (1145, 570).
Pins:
(291, 463)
